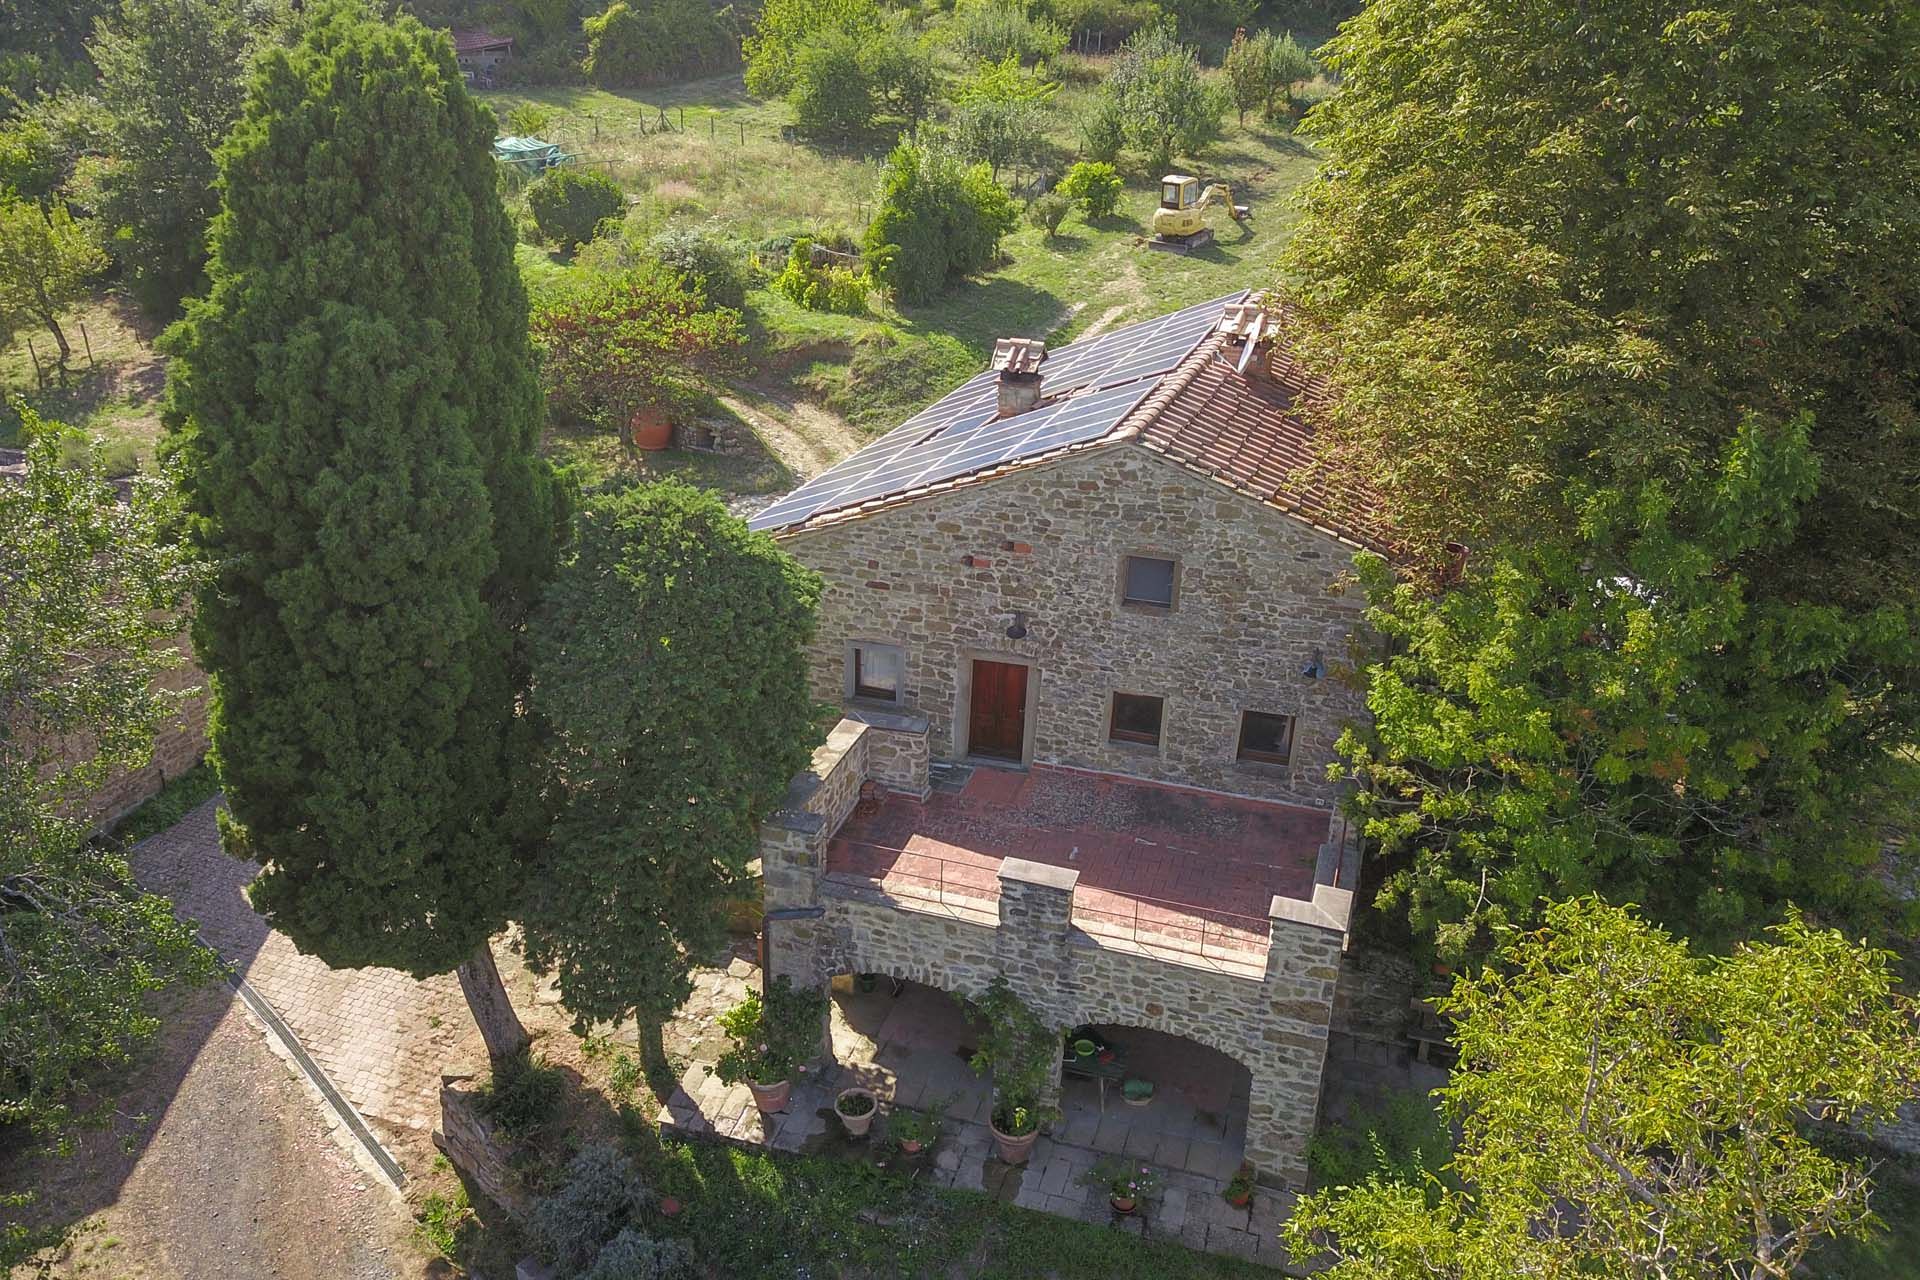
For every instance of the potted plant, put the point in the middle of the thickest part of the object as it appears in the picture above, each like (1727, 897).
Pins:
(773, 1036)
(1239, 1191)
(1137, 1092)
(856, 1107)
(1021, 1053)
(1127, 1182)
(915, 1130)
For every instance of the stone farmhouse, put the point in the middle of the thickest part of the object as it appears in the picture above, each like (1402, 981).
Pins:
(1084, 619)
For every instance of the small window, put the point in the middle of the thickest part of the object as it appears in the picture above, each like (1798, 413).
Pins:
(876, 672)
(1266, 738)
(1136, 718)
(1147, 580)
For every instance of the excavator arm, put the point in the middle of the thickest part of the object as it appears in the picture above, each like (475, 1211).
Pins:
(1220, 192)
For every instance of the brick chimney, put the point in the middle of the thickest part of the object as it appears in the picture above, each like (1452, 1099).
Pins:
(1018, 360)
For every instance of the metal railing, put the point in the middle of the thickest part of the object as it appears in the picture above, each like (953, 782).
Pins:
(1187, 929)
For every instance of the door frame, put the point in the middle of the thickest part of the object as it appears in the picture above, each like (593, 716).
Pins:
(963, 706)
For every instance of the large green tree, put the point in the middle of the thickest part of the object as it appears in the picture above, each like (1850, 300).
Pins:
(355, 407)
(670, 660)
(1559, 265)
(1625, 713)
(173, 74)
(1630, 1110)
(89, 589)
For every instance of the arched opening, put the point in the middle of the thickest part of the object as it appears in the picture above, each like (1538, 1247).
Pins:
(1194, 1119)
(910, 1043)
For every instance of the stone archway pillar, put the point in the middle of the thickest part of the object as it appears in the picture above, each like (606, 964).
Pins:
(1303, 969)
(1032, 943)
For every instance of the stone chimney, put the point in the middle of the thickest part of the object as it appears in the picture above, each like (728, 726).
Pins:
(1249, 328)
(1018, 360)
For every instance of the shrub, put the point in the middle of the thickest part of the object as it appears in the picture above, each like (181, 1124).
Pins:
(785, 25)
(1165, 105)
(522, 1096)
(1103, 130)
(1094, 186)
(832, 93)
(824, 287)
(634, 1256)
(990, 30)
(1018, 1050)
(1047, 212)
(529, 120)
(939, 220)
(997, 133)
(716, 263)
(630, 45)
(1404, 1140)
(601, 1190)
(569, 205)
(772, 1036)
(1111, 21)
(621, 343)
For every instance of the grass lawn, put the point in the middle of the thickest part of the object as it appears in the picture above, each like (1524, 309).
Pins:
(730, 166)
(114, 396)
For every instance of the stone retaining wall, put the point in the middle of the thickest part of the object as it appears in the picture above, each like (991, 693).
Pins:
(469, 1142)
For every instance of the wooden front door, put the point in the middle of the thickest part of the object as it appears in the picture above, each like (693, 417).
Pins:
(997, 720)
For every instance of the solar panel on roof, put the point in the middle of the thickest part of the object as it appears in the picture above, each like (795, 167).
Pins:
(1088, 387)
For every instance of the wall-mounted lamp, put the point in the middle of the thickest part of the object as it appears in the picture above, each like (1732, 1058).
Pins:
(1315, 666)
(1018, 631)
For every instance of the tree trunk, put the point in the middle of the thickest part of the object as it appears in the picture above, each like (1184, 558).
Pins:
(492, 1011)
(60, 337)
(654, 1067)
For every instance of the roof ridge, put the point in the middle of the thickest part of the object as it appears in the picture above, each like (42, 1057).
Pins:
(1142, 415)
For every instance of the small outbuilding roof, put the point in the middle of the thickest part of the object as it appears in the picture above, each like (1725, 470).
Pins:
(473, 40)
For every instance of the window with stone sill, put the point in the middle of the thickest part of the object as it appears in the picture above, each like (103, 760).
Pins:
(875, 672)
(1136, 719)
(1266, 737)
(1147, 582)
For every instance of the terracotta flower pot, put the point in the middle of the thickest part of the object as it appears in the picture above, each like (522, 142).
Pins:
(1121, 1204)
(651, 428)
(1013, 1150)
(1240, 1199)
(857, 1126)
(771, 1097)
(669, 1207)
(911, 1146)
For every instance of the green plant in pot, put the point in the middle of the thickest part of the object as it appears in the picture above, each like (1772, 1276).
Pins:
(856, 1108)
(915, 1131)
(773, 1036)
(1127, 1182)
(1137, 1092)
(1019, 1052)
(1239, 1191)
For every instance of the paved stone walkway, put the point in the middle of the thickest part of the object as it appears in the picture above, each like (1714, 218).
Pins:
(381, 1035)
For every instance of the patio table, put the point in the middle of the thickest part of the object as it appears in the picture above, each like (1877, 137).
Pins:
(1093, 1069)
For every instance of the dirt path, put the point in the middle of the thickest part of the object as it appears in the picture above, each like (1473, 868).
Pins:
(234, 1177)
(806, 438)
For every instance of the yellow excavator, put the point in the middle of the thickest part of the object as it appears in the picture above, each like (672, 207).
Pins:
(1179, 224)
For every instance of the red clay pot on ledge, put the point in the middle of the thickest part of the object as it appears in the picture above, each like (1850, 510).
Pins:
(771, 1097)
(651, 428)
(1121, 1204)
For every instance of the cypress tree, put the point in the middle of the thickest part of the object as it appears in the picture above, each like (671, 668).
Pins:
(355, 409)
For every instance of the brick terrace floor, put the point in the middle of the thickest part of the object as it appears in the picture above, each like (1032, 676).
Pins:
(1167, 865)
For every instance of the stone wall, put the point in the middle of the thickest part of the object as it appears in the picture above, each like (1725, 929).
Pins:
(1271, 1014)
(469, 1142)
(178, 745)
(1257, 593)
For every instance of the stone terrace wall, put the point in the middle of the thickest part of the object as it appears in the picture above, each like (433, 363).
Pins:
(1257, 593)
(177, 746)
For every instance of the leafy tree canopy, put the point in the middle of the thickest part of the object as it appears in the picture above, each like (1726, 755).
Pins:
(1160, 100)
(89, 589)
(670, 660)
(173, 74)
(938, 220)
(1632, 1110)
(1626, 714)
(355, 408)
(47, 257)
(1581, 287)
(785, 25)
(570, 204)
